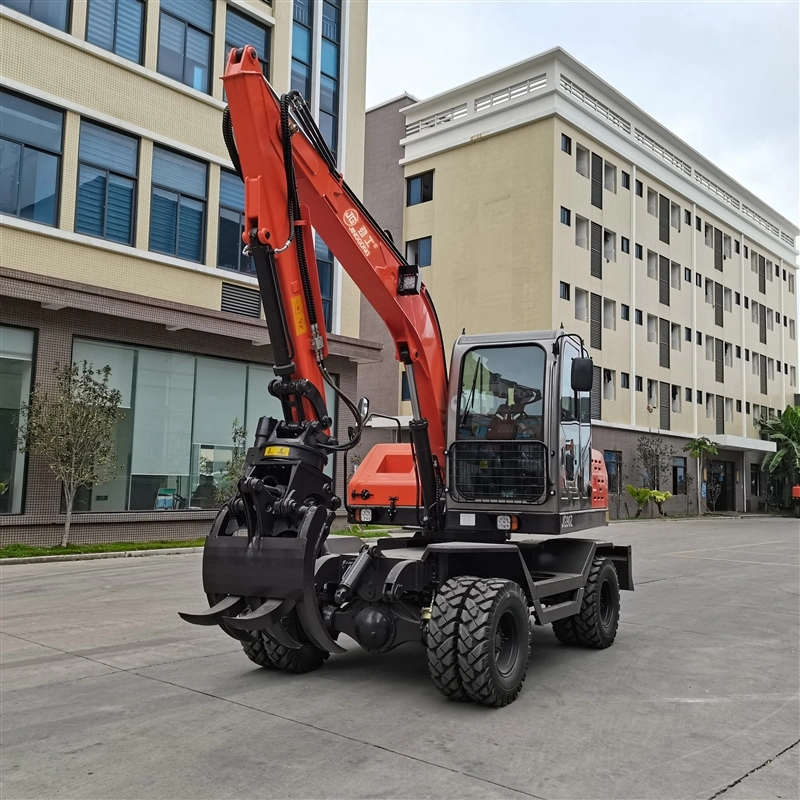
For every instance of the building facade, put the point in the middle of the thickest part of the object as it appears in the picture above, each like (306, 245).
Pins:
(120, 238)
(539, 196)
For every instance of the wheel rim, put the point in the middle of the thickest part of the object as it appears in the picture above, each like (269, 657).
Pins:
(506, 643)
(606, 604)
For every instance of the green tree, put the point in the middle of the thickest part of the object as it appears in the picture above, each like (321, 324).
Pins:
(72, 428)
(700, 449)
(235, 467)
(785, 432)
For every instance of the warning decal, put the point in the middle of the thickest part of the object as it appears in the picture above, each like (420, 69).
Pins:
(300, 326)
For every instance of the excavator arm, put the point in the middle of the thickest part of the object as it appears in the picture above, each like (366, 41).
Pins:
(291, 184)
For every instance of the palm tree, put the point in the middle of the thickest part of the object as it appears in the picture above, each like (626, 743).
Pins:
(785, 432)
(699, 449)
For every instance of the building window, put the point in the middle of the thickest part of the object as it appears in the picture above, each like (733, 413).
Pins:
(652, 392)
(325, 271)
(566, 216)
(792, 376)
(637, 316)
(241, 30)
(610, 245)
(581, 304)
(687, 217)
(687, 334)
(174, 436)
(107, 172)
(675, 216)
(727, 299)
(582, 161)
(639, 188)
(746, 251)
(637, 249)
(178, 205)
(679, 475)
(610, 177)
(687, 274)
(652, 202)
(747, 302)
(738, 351)
(625, 312)
(698, 279)
(737, 298)
(709, 235)
(746, 354)
(566, 144)
(791, 329)
(419, 189)
(791, 283)
(652, 265)
(624, 380)
(687, 395)
(699, 397)
(675, 336)
(675, 276)
(609, 314)
(652, 328)
(184, 42)
(50, 12)
(736, 246)
(418, 251)
(31, 139)
(738, 406)
(231, 224)
(405, 389)
(16, 374)
(563, 290)
(609, 384)
(117, 25)
(699, 338)
(329, 73)
(582, 232)
(301, 47)
(676, 398)
(726, 245)
(637, 383)
(625, 245)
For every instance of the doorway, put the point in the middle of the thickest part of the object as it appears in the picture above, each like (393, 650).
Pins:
(721, 475)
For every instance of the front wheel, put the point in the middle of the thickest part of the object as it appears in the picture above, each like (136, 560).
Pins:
(494, 642)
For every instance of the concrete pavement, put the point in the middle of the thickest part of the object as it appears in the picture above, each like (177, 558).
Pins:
(107, 694)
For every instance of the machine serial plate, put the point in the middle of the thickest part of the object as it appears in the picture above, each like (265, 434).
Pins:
(276, 451)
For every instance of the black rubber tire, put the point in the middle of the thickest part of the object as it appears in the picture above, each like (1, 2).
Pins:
(443, 629)
(564, 629)
(597, 622)
(257, 653)
(494, 641)
(299, 659)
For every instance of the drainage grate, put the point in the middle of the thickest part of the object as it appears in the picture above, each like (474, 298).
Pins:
(240, 300)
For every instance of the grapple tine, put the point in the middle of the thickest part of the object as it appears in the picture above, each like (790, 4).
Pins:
(214, 615)
(265, 616)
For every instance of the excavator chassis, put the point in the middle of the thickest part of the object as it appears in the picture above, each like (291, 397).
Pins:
(383, 594)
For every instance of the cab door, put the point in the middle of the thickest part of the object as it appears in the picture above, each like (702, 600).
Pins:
(574, 436)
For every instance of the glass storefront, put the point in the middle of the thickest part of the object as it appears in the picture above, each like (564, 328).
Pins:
(173, 437)
(16, 369)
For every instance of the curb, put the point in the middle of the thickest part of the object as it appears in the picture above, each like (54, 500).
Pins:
(170, 551)
(167, 551)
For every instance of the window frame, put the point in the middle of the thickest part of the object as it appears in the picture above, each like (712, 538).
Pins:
(420, 177)
(142, 33)
(220, 206)
(204, 229)
(236, 11)
(210, 34)
(100, 168)
(59, 156)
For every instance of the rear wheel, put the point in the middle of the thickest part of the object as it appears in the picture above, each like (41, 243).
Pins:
(443, 631)
(596, 623)
(564, 629)
(494, 642)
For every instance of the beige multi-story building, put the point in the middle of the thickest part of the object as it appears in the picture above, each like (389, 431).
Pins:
(539, 196)
(120, 237)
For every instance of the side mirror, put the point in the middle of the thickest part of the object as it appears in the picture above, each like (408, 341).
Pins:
(582, 375)
(363, 408)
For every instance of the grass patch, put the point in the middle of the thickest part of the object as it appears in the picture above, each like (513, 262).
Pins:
(26, 550)
(367, 531)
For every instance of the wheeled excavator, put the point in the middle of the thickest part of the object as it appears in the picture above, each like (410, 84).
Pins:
(498, 474)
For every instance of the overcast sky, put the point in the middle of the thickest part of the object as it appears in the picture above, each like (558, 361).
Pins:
(724, 76)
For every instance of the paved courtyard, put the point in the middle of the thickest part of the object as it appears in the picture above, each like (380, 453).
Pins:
(107, 694)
